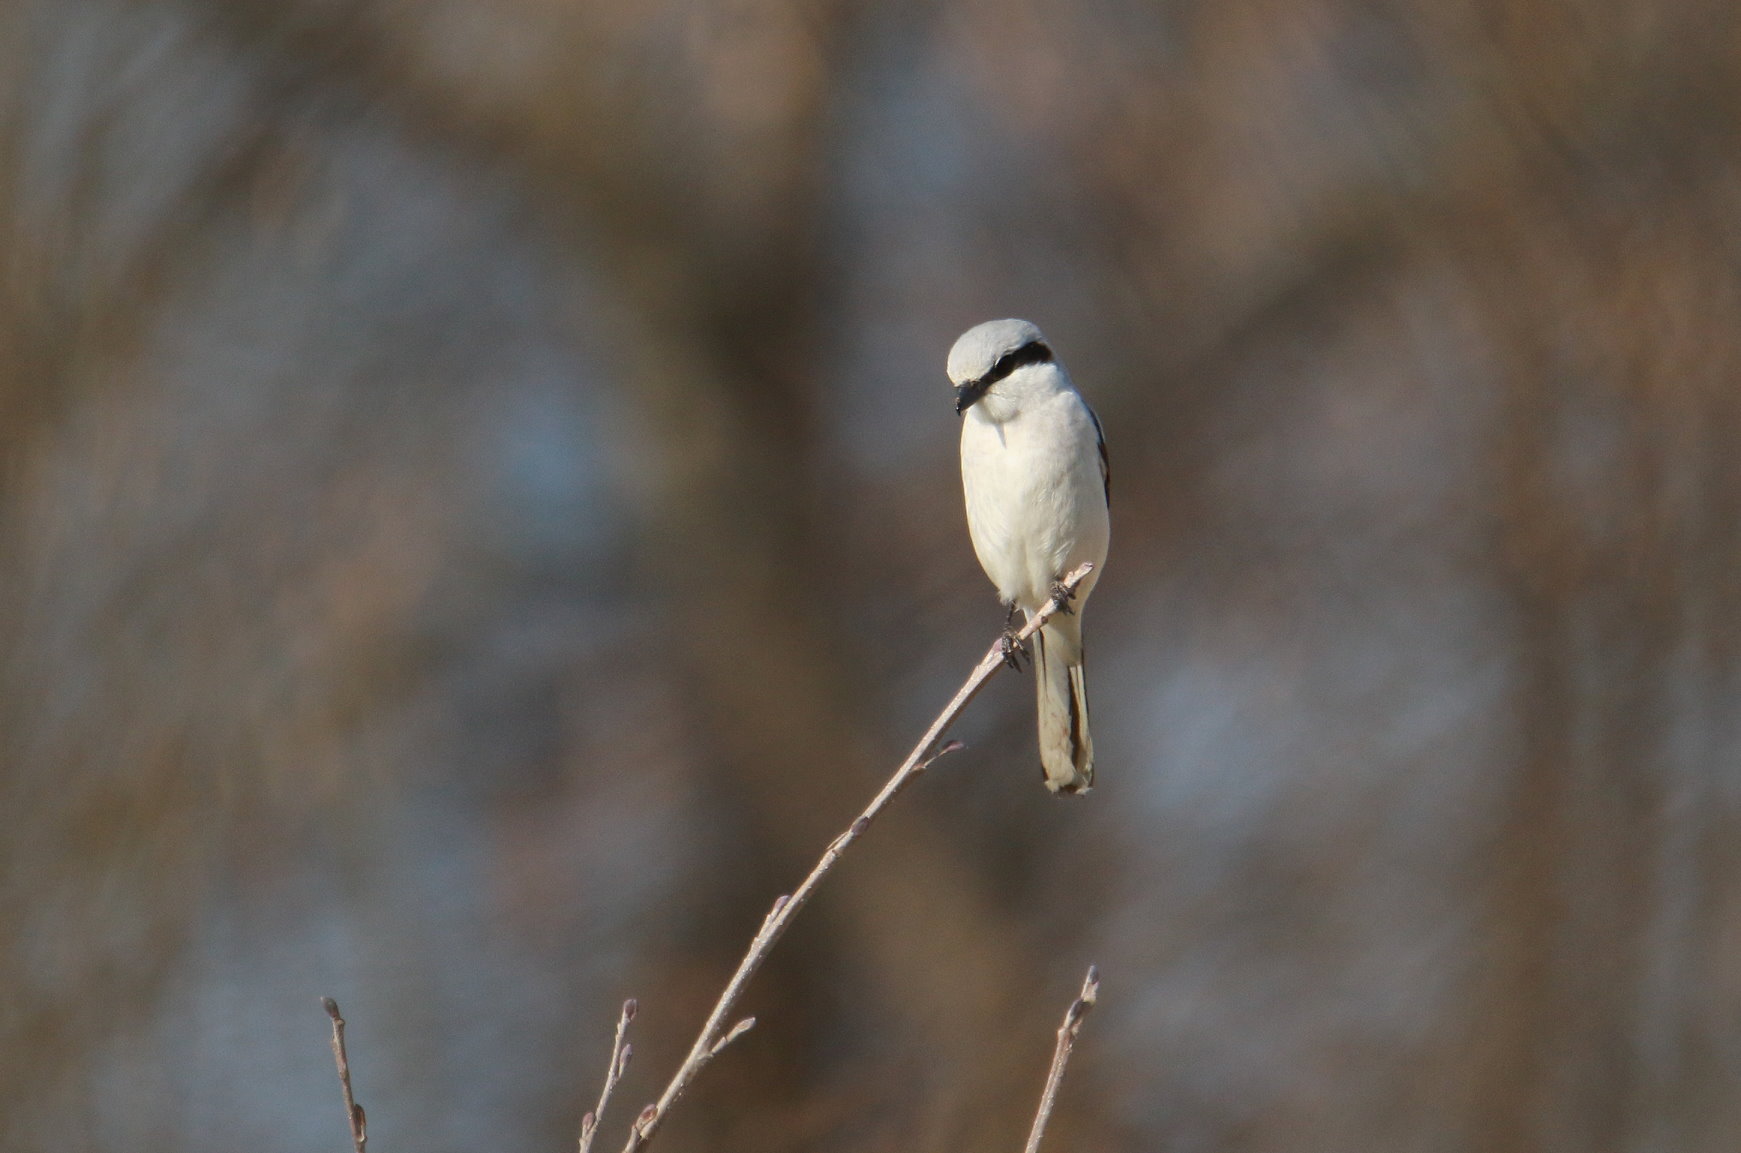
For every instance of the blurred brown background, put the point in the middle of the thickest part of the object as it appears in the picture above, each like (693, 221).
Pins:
(478, 511)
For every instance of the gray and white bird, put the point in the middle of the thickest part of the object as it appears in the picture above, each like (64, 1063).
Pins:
(1033, 466)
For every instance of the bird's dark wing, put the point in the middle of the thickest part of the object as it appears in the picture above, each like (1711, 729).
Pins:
(1100, 442)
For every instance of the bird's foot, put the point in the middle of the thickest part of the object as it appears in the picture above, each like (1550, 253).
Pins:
(1013, 649)
(1061, 598)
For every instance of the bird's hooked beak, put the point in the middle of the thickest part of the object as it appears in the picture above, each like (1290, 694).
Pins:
(967, 395)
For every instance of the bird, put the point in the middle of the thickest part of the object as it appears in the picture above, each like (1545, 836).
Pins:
(1038, 494)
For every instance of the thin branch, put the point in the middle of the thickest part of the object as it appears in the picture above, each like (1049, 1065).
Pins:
(621, 1052)
(1061, 1055)
(353, 1112)
(711, 1039)
(737, 1030)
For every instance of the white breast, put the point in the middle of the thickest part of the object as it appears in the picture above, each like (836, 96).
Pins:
(1036, 502)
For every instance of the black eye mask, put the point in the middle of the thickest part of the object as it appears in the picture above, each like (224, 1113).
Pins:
(1033, 352)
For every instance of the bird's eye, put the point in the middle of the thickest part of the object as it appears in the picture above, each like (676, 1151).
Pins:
(1033, 352)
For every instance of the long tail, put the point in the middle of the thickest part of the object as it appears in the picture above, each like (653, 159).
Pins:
(1066, 750)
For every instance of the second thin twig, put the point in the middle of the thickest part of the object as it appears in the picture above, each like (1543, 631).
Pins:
(353, 1112)
(621, 1051)
(1061, 1055)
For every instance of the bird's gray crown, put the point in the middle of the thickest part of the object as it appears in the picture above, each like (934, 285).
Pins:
(979, 349)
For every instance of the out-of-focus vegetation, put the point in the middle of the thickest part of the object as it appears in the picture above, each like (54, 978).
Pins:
(478, 511)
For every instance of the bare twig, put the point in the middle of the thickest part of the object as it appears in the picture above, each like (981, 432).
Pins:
(711, 1039)
(1061, 1055)
(621, 1052)
(353, 1112)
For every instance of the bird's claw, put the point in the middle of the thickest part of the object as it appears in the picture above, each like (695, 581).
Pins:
(1061, 598)
(1013, 649)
